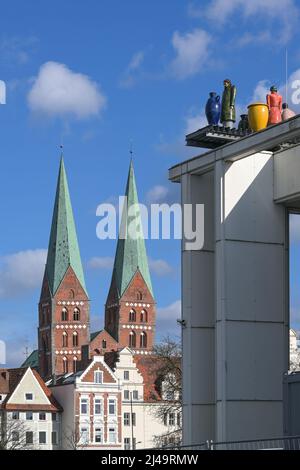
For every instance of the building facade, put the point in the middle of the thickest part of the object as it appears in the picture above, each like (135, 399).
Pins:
(30, 416)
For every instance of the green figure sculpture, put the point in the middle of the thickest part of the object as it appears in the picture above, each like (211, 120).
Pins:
(228, 104)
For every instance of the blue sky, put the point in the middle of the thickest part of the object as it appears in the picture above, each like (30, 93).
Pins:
(132, 70)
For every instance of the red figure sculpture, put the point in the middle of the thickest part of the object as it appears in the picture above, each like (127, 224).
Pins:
(274, 102)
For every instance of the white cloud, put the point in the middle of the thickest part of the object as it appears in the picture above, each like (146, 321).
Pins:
(130, 75)
(160, 267)
(195, 121)
(157, 194)
(282, 12)
(21, 272)
(98, 262)
(58, 91)
(17, 49)
(192, 50)
(166, 319)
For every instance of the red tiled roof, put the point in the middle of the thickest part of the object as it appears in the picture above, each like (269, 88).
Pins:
(9, 380)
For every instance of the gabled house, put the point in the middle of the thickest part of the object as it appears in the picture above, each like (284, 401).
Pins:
(30, 415)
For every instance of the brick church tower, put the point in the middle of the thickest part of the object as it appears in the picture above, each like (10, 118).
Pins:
(130, 306)
(64, 304)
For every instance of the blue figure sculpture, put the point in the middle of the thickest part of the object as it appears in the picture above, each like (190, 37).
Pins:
(213, 109)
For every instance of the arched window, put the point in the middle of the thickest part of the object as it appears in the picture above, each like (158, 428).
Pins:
(144, 316)
(74, 364)
(132, 339)
(76, 314)
(65, 365)
(64, 314)
(71, 294)
(103, 344)
(132, 315)
(64, 340)
(139, 295)
(143, 340)
(75, 339)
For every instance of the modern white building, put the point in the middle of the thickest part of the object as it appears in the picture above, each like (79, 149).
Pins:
(235, 290)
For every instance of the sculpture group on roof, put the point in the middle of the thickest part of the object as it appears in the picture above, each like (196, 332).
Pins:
(260, 115)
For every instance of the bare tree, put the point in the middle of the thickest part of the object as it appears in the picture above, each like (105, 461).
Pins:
(13, 434)
(166, 367)
(74, 438)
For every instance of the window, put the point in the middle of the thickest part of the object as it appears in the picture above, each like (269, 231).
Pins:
(126, 374)
(54, 438)
(15, 415)
(178, 420)
(171, 419)
(135, 395)
(54, 417)
(15, 436)
(29, 416)
(126, 394)
(112, 407)
(64, 315)
(42, 437)
(97, 406)
(64, 340)
(133, 417)
(134, 443)
(132, 339)
(98, 435)
(139, 295)
(170, 395)
(75, 339)
(132, 315)
(76, 314)
(29, 437)
(98, 377)
(84, 435)
(126, 419)
(71, 294)
(166, 419)
(74, 364)
(144, 316)
(103, 344)
(65, 365)
(112, 436)
(28, 396)
(83, 406)
(126, 443)
(143, 340)
(42, 416)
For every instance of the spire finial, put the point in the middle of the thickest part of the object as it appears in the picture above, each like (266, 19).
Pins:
(131, 149)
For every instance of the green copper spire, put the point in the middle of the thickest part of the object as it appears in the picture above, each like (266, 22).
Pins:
(63, 250)
(131, 253)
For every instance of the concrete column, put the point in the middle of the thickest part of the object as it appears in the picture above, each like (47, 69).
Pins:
(199, 316)
(251, 300)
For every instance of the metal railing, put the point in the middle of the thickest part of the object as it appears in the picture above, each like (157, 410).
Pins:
(278, 443)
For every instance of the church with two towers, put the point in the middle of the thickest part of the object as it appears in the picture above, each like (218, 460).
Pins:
(64, 334)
